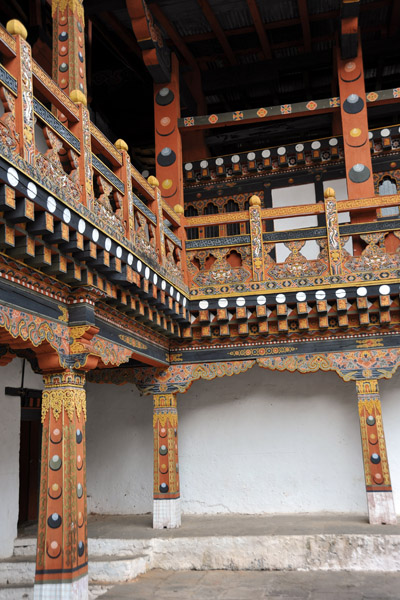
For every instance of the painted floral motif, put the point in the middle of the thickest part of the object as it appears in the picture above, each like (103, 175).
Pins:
(286, 109)
(213, 119)
(311, 105)
(262, 112)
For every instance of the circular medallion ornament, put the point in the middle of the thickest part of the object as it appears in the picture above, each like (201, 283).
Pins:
(79, 436)
(53, 549)
(55, 491)
(164, 488)
(55, 463)
(359, 173)
(81, 548)
(164, 97)
(54, 521)
(355, 132)
(213, 119)
(353, 104)
(163, 450)
(166, 157)
(375, 458)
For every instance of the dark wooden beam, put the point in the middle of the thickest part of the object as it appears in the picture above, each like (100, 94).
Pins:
(259, 25)
(394, 21)
(305, 24)
(174, 36)
(217, 29)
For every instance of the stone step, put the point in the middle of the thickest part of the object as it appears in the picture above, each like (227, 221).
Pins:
(96, 547)
(108, 570)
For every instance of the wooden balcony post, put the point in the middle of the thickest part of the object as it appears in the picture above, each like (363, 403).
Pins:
(69, 57)
(257, 246)
(332, 229)
(125, 174)
(21, 68)
(82, 131)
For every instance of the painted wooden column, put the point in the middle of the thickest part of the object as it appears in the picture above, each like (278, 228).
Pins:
(21, 68)
(332, 230)
(82, 131)
(353, 107)
(69, 59)
(376, 468)
(257, 246)
(166, 506)
(62, 556)
(168, 138)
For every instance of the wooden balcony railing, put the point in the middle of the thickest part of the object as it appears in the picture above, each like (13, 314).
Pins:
(263, 260)
(79, 166)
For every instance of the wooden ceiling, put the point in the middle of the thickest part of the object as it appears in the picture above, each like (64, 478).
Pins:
(244, 53)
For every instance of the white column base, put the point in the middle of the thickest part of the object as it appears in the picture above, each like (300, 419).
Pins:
(381, 508)
(167, 513)
(77, 590)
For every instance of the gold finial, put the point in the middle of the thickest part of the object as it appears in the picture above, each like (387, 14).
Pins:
(178, 209)
(121, 145)
(15, 27)
(153, 181)
(78, 97)
(329, 193)
(255, 201)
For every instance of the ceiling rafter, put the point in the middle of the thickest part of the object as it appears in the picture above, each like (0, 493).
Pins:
(170, 30)
(305, 24)
(259, 25)
(217, 29)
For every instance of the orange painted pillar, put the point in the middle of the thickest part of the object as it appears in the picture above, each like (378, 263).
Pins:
(167, 137)
(62, 555)
(166, 506)
(354, 116)
(69, 58)
(376, 468)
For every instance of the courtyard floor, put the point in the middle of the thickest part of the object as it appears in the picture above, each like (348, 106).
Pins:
(258, 585)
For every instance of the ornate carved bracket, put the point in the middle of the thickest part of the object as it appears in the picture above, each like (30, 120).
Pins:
(156, 55)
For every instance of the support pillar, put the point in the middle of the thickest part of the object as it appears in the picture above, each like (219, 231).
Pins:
(376, 468)
(166, 505)
(62, 557)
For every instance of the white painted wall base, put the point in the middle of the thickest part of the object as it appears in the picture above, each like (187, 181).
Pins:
(77, 590)
(167, 513)
(381, 509)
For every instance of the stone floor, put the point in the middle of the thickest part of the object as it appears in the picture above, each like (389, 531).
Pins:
(258, 585)
(140, 526)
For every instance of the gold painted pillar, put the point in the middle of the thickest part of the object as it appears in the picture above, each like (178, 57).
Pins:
(376, 468)
(62, 556)
(166, 506)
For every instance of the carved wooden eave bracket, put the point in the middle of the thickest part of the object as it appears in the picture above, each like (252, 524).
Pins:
(156, 55)
(352, 365)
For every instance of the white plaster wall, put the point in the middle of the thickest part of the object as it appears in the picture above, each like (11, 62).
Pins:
(119, 436)
(10, 417)
(257, 442)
